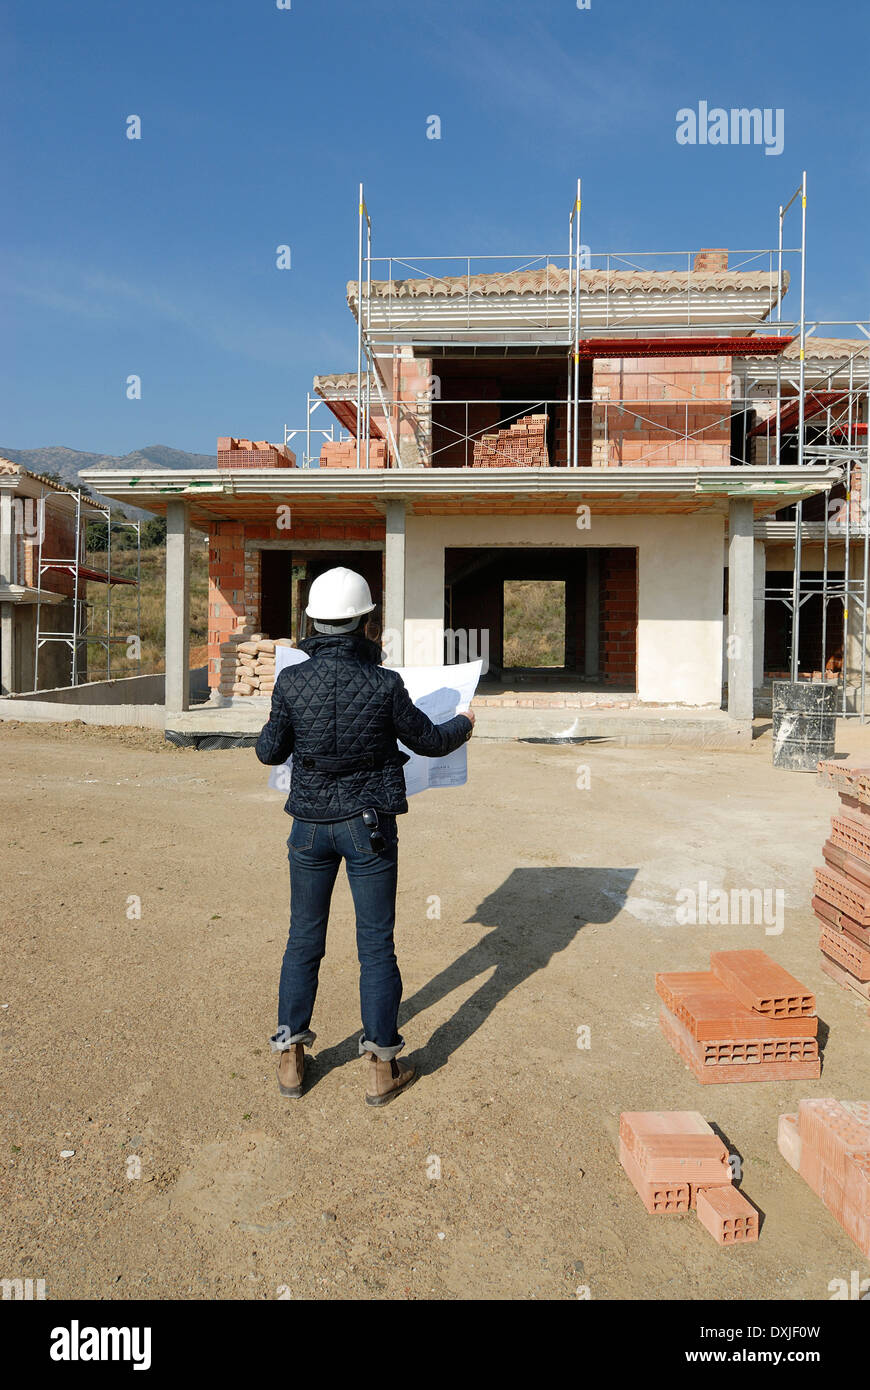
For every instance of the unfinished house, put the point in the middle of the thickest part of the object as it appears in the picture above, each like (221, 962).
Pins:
(37, 517)
(593, 476)
(48, 617)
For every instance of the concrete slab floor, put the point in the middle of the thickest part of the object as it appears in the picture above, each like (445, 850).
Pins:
(642, 725)
(145, 904)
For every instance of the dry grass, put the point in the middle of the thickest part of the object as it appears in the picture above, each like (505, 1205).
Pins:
(534, 622)
(152, 598)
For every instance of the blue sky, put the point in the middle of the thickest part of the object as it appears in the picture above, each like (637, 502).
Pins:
(157, 257)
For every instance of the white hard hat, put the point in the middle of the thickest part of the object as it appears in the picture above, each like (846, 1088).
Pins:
(337, 595)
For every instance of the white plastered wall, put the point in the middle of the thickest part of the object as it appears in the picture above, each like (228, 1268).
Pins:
(679, 640)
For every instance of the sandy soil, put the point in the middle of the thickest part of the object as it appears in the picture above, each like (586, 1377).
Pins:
(145, 1038)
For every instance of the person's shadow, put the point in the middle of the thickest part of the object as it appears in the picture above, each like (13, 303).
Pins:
(533, 915)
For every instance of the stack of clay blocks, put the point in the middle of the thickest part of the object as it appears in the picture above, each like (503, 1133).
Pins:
(842, 897)
(677, 1164)
(253, 453)
(342, 453)
(828, 1143)
(522, 445)
(745, 1019)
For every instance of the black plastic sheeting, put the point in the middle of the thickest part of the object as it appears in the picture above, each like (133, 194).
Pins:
(206, 743)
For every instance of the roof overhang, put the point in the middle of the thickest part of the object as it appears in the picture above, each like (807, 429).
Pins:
(335, 494)
(491, 310)
(22, 593)
(31, 485)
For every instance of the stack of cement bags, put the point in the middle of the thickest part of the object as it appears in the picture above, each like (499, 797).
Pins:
(247, 664)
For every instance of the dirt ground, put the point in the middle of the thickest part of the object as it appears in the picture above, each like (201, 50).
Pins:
(141, 1042)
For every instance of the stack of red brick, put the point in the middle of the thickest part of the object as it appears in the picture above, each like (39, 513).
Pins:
(746, 1019)
(342, 453)
(677, 1164)
(253, 453)
(522, 445)
(828, 1143)
(842, 897)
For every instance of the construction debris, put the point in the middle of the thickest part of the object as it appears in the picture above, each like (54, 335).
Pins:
(828, 1144)
(842, 898)
(677, 1164)
(746, 1019)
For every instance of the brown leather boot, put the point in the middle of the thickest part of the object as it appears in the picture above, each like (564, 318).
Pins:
(386, 1079)
(291, 1071)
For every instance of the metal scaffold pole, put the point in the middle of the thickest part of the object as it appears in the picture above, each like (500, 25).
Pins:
(368, 420)
(78, 550)
(799, 509)
(38, 577)
(778, 334)
(569, 413)
(863, 483)
(576, 402)
(359, 314)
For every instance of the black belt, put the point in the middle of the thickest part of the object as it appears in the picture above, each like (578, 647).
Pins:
(351, 762)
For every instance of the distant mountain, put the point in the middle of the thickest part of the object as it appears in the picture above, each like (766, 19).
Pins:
(67, 463)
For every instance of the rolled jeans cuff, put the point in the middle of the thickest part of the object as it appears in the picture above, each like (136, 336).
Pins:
(386, 1054)
(283, 1040)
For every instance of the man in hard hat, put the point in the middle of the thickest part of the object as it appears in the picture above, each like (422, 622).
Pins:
(339, 714)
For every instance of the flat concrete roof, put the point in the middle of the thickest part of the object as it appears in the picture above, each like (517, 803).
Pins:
(326, 494)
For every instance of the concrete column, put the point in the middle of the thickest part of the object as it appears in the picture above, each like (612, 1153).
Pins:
(394, 582)
(7, 611)
(7, 540)
(177, 606)
(760, 585)
(7, 648)
(593, 608)
(741, 605)
(857, 644)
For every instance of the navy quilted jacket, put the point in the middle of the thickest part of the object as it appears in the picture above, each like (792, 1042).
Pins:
(340, 714)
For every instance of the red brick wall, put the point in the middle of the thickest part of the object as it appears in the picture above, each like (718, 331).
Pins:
(645, 406)
(59, 542)
(618, 617)
(711, 258)
(235, 571)
(560, 457)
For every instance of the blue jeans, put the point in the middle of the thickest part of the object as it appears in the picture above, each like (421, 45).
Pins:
(315, 850)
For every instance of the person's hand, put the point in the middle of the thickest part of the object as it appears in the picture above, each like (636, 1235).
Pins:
(469, 714)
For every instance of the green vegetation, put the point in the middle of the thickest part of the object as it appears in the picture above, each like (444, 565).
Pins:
(124, 537)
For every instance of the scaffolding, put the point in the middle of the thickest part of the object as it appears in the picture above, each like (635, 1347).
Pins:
(327, 435)
(828, 427)
(811, 414)
(83, 633)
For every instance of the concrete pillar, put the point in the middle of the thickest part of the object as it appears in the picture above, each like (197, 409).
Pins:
(394, 583)
(7, 648)
(857, 644)
(7, 540)
(177, 606)
(741, 605)
(760, 585)
(7, 611)
(593, 608)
